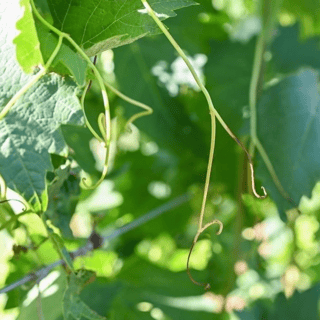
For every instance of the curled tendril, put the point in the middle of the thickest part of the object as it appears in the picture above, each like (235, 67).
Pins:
(17, 216)
(209, 224)
(94, 133)
(102, 125)
(103, 130)
(147, 110)
(103, 175)
(253, 186)
(214, 114)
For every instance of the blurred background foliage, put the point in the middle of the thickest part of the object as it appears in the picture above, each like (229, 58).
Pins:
(259, 267)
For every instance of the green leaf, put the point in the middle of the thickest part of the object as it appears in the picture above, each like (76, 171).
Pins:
(288, 127)
(299, 307)
(228, 74)
(308, 12)
(78, 139)
(171, 292)
(36, 43)
(197, 26)
(30, 131)
(73, 307)
(302, 305)
(27, 42)
(63, 192)
(107, 290)
(101, 25)
(62, 250)
(50, 303)
(257, 311)
(289, 53)
(168, 122)
(67, 60)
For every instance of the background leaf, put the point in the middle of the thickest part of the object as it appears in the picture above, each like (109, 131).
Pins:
(288, 126)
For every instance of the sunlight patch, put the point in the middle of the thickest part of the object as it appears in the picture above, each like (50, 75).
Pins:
(159, 189)
(179, 73)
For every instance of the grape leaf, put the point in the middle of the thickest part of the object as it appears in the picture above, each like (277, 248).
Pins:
(171, 292)
(78, 139)
(299, 307)
(63, 198)
(308, 12)
(289, 54)
(28, 44)
(289, 130)
(50, 303)
(35, 44)
(100, 25)
(61, 249)
(228, 73)
(302, 305)
(73, 307)
(168, 122)
(67, 60)
(30, 131)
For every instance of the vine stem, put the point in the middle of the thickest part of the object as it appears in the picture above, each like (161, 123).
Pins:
(208, 98)
(94, 133)
(107, 117)
(34, 80)
(214, 114)
(253, 90)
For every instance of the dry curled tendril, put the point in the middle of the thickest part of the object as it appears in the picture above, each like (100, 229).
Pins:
(209, 224)
(214, 114)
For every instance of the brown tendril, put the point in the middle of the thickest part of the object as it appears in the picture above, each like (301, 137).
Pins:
(209, 224)
(94, 63)
(253, 185)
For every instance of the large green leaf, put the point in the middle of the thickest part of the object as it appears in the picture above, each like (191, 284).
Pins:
(289, 129)
(171, 292)
(228, 74)
(169, 125)
(51, 303)
(302, 305)
(78, 139)
(308, 12)
(73, 307)
(289, 53)
(100, 25)
(299, 307)
(30, 131)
